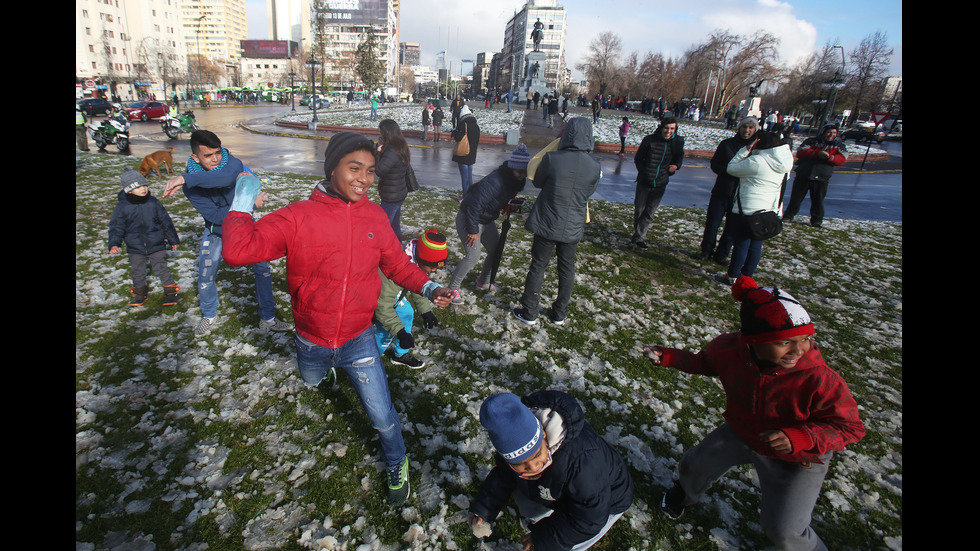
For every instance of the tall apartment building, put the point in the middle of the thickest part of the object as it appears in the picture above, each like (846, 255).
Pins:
(409, 53)
(283, 17)
(518, 43)
(344, 26)
(215, 29)
(128, 48)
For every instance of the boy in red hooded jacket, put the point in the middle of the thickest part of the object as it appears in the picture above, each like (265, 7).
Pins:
(787, 412)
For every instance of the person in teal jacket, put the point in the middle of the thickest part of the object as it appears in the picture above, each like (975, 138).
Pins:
(395, 315)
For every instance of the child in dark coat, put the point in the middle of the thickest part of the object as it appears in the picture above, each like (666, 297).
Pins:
(140, 221)
(569, 484)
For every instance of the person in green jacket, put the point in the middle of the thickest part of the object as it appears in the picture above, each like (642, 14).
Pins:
(397, 307)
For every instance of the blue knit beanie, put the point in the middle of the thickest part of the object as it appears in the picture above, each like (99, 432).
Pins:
(514, 431)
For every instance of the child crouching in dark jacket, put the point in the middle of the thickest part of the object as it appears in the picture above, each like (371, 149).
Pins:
(569, 484)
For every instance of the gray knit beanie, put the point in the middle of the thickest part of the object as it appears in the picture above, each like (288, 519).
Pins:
(131, 179)
(751, 121)
(339, 146)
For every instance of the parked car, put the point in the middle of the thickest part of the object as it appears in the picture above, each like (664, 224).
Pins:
(95, 106)
(146, 110)
(864, 134)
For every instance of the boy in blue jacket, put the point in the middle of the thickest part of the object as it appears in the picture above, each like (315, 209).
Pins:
(569, 484)
(140, 221)
(210, 187)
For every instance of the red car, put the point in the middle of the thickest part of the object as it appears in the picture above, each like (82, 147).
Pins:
(146, 110)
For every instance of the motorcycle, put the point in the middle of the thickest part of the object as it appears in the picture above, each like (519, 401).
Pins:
(173, 126)
(112, 131)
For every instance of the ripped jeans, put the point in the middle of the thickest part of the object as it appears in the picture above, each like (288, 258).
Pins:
(360, 359)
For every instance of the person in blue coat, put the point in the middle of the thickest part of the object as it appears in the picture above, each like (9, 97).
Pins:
(569, 484)
(140, 221)
(209, 185)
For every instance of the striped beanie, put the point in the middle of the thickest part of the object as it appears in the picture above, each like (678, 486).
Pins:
(431, 249)
(769, 314)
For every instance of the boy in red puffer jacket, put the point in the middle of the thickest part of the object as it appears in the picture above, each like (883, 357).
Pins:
(787, 412)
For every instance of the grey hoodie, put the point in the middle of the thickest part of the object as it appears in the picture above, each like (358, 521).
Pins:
(567, 177)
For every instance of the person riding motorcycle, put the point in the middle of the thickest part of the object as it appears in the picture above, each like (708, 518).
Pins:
(118, 113)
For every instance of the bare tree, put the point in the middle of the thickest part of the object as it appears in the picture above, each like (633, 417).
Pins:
(869, 66)
(662, 77)
(806, 81)
(601, 61)
(737, 61)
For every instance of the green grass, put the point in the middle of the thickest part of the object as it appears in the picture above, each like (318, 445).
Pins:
(215, 443)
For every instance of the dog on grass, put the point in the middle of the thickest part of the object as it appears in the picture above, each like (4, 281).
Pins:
(155, 160)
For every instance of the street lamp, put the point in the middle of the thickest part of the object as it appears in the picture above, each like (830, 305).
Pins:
(200, 77)
(312, 63)
(834, 85)
(292, 89)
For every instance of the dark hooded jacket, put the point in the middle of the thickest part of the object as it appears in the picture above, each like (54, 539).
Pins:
(485, 199)
(142, 223)
(586, 482)
(567, 177)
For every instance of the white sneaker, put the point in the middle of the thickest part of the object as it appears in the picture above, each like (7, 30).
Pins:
(203, 329)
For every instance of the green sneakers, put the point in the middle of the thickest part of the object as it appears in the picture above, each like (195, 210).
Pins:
(398, 485)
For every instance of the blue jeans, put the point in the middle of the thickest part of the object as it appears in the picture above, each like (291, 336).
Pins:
(465, 176)
(385, 339)
(746, 251)
(374, 114)
(207, 270)
(359, 357)
(394, 212)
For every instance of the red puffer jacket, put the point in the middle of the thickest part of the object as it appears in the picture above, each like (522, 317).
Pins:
(333, 251)
(810, 403)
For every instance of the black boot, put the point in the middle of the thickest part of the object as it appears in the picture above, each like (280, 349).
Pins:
(170, 295)
(139, 295)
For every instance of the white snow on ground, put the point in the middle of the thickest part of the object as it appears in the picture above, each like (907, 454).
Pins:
(160, 421)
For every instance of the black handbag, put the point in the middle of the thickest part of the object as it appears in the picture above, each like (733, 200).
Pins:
(763, 224)
(411, 182)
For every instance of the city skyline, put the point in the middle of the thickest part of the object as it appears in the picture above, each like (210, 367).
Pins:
(466, 27)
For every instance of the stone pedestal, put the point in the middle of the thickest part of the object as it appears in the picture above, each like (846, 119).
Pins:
(752, 108)
(530, 79)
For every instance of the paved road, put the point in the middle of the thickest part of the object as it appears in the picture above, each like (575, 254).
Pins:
(867, 194)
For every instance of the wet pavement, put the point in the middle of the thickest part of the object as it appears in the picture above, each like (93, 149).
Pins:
(868, 191)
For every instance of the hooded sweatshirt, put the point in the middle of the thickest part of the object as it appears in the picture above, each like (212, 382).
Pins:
(760, 175)
(567, 177)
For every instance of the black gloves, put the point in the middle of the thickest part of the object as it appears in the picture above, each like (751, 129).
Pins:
(429, 320)
(405, 339)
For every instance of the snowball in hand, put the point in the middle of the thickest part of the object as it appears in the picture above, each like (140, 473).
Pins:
(247, 189)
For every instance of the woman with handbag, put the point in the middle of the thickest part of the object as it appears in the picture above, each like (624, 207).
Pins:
(467, 137)
(394, 162)
(760, 167)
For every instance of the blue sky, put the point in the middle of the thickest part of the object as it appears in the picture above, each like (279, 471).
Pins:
(466, 27)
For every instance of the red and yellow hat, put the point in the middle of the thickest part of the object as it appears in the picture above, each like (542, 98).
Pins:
(431, 248)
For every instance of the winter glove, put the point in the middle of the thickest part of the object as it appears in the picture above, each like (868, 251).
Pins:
(429, 320)
(247, 189)
(405, 339)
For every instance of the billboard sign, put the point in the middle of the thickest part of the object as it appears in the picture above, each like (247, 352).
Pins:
(269, 49)
(357, 12)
